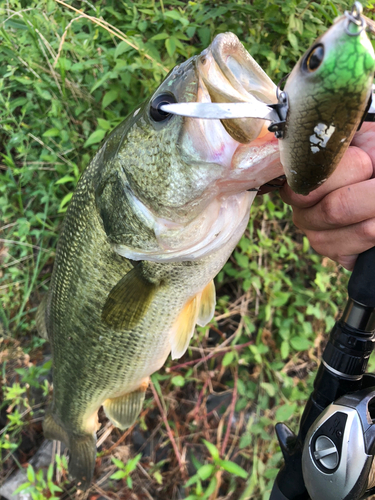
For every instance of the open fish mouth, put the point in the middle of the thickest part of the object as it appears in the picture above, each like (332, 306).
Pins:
(231, 75)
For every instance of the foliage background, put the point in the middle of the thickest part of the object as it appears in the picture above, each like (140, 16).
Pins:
(65, 82)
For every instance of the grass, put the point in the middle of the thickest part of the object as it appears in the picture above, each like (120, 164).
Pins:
(66, 79)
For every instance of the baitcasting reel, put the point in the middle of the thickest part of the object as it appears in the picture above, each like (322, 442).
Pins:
(339, 449)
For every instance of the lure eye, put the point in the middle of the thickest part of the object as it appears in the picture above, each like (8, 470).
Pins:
(314, 58)
(157, 114)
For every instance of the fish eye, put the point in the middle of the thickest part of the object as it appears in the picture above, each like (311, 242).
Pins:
(157, 114)
(314, 58)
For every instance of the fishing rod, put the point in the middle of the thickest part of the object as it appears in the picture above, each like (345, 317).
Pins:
(331, 457)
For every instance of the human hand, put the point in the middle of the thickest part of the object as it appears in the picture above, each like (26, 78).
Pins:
(338, 218)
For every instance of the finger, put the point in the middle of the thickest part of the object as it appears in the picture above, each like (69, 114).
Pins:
(355, 166)
(365, 139)
(343, 245)
(343, 207)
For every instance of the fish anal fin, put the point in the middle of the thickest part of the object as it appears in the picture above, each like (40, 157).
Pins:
(40, 318)
(183, 328)
(207, 304)
(124, 410)
(82, 449)
(128, 301)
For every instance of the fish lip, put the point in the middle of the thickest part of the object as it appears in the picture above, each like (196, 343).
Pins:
(230, 74)
(231, 56)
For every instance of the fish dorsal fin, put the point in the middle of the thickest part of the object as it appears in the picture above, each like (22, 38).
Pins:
(207, 304)
(183, 328)
(128, 301)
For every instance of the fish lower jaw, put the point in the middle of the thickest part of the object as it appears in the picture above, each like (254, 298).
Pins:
(221, 224)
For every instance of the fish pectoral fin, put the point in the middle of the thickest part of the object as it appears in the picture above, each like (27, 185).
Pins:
(183, 328)
(40, 318)
(124, 410)
(207, 304)
(128, 301)
(53, 430)
(82, 459)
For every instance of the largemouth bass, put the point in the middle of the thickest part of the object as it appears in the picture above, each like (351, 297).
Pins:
(328, 90)
(154, 218)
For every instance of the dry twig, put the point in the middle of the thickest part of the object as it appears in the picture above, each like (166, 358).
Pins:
(169, 430)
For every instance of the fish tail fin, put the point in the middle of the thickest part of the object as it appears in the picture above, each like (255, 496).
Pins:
(82, 450)
(53, 430)
(124, 410)
(82, 459)
(40, 319)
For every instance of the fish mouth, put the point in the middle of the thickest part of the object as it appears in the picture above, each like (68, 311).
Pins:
(231, 75)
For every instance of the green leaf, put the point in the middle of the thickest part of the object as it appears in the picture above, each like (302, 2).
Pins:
(174, 14)
(64, 202)
(204, 35)
(120, 474)
(65, 179)
(233, 468)
(64, 64)
(228, 358)
(285, 412)
(95, 137)
(23, 487)
(50, 473)
(160, 36)
(280, 299)
(306, 245)
(212, 449)
(159, 478)
(191, 480)
(30, 473)
(44, 94)
(293, 40)
(284, 349)
(269, 388)
(178, 380)
(205, 471)
(52, 132)
(100, 82)
(118, 462)
(210, 488)
(300, 343)
(104, 124)
(53, 487)
(109, 97)
(121, 48)
(170, 45)
(132, 463)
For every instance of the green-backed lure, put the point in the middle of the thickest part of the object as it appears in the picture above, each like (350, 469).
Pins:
(328, 91)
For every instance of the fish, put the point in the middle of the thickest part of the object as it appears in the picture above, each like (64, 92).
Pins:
(328, 91)
(153, 219)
